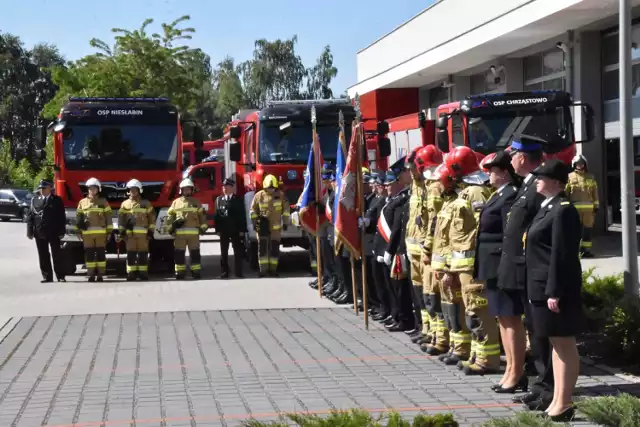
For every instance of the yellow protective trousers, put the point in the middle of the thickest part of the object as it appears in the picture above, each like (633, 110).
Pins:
(94, 241)
(137, 244)
(187, 238)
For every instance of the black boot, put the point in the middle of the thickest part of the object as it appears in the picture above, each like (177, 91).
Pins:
(131, 277)
(180, 275)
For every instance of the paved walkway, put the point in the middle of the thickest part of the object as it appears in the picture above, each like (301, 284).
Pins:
(219, 368)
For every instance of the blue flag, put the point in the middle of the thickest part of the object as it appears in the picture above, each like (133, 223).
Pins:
(341, 160)
(310, 194)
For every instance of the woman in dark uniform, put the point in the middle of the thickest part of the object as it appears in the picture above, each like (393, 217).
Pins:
(493, 217)
(554, 281)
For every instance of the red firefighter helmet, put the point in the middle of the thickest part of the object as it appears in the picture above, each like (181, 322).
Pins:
(443, 174)
(428, 156)
(464, 163)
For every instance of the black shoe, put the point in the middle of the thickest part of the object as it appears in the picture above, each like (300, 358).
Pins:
(417, 339)
(525, 398)
(261, 275)
(46, 281)
(99, 279)
(143, 277)
(497, 386)
(412, 331)
(522, 384)
(432, 350)
(345, 298)
(538, 405)
(565, 416)
(131, 277)
(62, 279)
(474, 369)
(91, 279)
(224, 275)
(396, 327)
(452, 360)
(240, 275)
(196, 275)
(587, 254)
(180, 276)
(313, 284)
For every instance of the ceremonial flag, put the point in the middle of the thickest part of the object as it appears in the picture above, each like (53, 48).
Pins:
(347, 203)
(311, 193)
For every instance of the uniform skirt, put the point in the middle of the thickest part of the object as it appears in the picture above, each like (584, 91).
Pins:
(569, 322)
(505, 302)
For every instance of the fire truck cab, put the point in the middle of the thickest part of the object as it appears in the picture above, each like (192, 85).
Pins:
(276, 140)
(487, 123)
(115, 140)
(208, 178)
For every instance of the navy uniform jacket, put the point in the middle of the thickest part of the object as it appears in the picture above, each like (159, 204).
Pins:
(493, 217)
(385, 233)
(46, 218)
(512, 269)
(230, 216)
(553, 253)
(374, 206)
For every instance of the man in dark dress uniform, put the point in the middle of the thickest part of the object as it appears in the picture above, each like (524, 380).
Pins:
(46, 223)
(231, 225)
(526, 156)
(395, 254)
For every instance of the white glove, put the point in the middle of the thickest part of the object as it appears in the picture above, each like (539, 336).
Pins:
(387, 258)
(363, 222)
(380, 259)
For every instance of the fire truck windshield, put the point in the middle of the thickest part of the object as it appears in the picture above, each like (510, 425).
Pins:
(492, 132)
(293, 146)
(121, 147)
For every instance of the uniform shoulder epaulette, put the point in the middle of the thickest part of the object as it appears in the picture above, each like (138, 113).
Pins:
(564, 203)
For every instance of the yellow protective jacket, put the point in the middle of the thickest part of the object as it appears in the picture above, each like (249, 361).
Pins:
(418, 218)
(143, 214)
(272, 206)
(465, 215)
(191, 212)
(582, 190)
(434, 204)
(441, 253)
(97, 214)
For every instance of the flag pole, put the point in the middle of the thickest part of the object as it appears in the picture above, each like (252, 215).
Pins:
(318, 194)
(352, 257)
(359, 186)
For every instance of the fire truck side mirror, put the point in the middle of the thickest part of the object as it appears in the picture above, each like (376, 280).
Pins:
(235, 153)
(382, 127)
(235, 132)
(442, 122)
(586, 123)
(384, 146)
(443, 140)
(198, 137)
(41, 136)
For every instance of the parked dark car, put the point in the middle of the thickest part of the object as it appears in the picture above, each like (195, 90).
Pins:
(14, 203)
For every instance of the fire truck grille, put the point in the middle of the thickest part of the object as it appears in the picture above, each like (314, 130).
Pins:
(118, 192)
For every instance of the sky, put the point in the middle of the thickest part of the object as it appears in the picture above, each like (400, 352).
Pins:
(222, 27)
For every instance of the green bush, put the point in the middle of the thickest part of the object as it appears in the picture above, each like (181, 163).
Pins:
(623, 330)
(600, 295)
(522, 419)
(357, 418)
(612, 411)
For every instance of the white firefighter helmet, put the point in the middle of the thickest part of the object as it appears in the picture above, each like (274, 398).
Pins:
(134, 183)
(186, 183)
(577, 159)
(93, 182)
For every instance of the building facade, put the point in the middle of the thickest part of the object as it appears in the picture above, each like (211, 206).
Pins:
(456, 48)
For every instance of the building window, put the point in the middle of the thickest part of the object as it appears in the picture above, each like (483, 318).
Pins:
(485, 83)
(610, 73)
(437, 96)
(544, 70)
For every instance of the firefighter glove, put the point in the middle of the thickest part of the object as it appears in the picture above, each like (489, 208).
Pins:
(387, 258)
(130, 223)
(83, 224)
(363, 222)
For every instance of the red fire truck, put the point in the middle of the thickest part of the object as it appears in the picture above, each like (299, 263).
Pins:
(276, 141)
(209, 149)
(115, 140)
(488, 123)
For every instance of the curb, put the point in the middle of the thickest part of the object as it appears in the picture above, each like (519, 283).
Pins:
(613, 371)
(7, 326)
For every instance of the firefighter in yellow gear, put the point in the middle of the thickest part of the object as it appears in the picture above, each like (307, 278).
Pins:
(270, 215)
(473, 331)
(186, 220)
(94, 223)
(416, 231)
(438, 256)
(136, 224)
(430, 287)
(582, 191)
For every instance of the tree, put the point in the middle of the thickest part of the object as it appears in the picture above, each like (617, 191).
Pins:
(25, 87)
(319, 76)
(231, 96)
(140, 64)
(275, 73)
